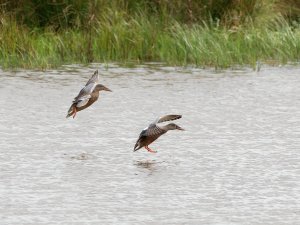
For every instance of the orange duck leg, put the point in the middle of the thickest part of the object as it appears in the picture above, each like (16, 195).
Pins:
(74, 112)
(150, 150)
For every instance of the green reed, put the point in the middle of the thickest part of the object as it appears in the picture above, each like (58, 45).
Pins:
(123, 33)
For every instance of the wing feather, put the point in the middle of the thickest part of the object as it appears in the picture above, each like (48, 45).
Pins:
(83, 101)
(93, 79)
(154, 130)
(167, 118)
(85, 92)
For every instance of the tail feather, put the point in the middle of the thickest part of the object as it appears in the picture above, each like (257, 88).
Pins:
(70, 111)
(136, 147)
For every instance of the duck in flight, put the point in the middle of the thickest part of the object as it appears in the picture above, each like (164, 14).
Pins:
(153, 131)
(87, 95)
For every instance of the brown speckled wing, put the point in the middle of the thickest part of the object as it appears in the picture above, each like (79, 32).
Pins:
(154, 130)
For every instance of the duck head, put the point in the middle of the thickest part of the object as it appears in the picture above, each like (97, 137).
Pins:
(173, 126)
(100, 87)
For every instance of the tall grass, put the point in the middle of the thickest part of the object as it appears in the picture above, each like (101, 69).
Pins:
(149, 30)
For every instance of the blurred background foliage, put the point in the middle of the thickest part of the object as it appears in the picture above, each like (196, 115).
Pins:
(221, 33)
(77, 14)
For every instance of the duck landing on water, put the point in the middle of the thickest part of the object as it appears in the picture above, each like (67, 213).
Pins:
(153, 131)
(87, 96)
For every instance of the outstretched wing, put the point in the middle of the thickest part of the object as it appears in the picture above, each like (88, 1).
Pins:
(153, 130)
(151, 133)
(84, 95)
(93, 79)
(167, 118)
(83, 100)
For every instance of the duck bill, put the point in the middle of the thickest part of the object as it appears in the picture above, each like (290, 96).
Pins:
(107, 89)
(180, 128)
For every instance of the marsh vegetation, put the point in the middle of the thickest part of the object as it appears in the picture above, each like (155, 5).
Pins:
(44, 34)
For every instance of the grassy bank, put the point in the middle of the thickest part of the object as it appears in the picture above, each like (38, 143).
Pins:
(122, 34)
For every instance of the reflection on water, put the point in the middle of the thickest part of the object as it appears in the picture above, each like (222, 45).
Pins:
(236, 163)
(148, 164)
(147, 167)
(82, 156)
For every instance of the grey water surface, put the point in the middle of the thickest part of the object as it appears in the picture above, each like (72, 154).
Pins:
(238, 162)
